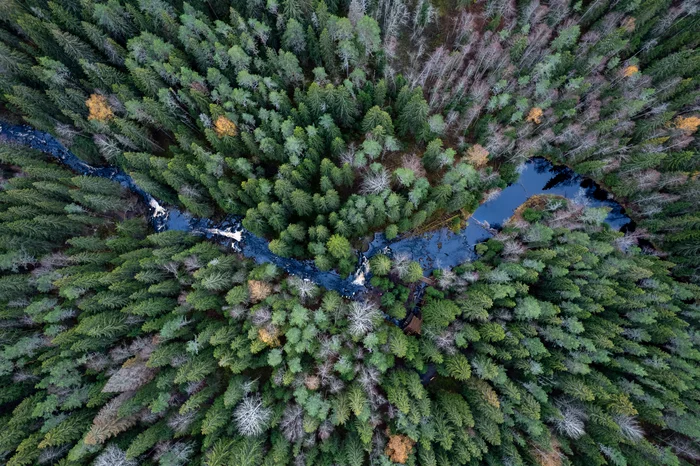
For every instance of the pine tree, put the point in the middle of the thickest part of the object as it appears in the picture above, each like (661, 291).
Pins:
(560, 341)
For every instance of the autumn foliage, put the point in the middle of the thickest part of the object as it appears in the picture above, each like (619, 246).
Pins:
(305, 133)
(551, 457)
(99, 108)
(398, 448)
(688, 124)
(535, 115)
(225, 127)
(269, 336)
(258, 290)
(631, 71)
(478, 155)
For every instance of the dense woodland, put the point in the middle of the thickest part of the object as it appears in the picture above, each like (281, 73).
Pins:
(321, 123)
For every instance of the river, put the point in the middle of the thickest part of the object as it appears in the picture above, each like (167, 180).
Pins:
(436, 249)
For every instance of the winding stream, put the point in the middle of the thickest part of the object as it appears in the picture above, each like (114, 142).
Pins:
(437, 249)
(443, 248)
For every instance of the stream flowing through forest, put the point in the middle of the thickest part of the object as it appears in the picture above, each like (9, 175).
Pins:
(435, 249)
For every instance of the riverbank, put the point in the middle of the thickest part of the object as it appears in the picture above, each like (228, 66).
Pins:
(434, 249)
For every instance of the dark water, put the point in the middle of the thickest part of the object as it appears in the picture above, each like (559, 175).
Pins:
(171, 218)
(438, 249)
(443, 248)
(27, 136)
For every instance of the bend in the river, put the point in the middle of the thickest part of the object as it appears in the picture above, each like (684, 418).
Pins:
(437, 249)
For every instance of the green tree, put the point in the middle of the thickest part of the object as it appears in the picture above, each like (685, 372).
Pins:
(294, 38)
(377, 117)
(339, 247)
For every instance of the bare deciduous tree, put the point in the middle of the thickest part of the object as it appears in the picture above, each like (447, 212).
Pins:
(251, 415)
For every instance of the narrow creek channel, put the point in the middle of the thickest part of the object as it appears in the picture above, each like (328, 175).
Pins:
(437, 249)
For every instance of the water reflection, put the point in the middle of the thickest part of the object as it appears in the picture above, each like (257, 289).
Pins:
(443, 248)
(436, 249)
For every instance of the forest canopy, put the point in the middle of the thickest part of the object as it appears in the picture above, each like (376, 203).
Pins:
(320, 124)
